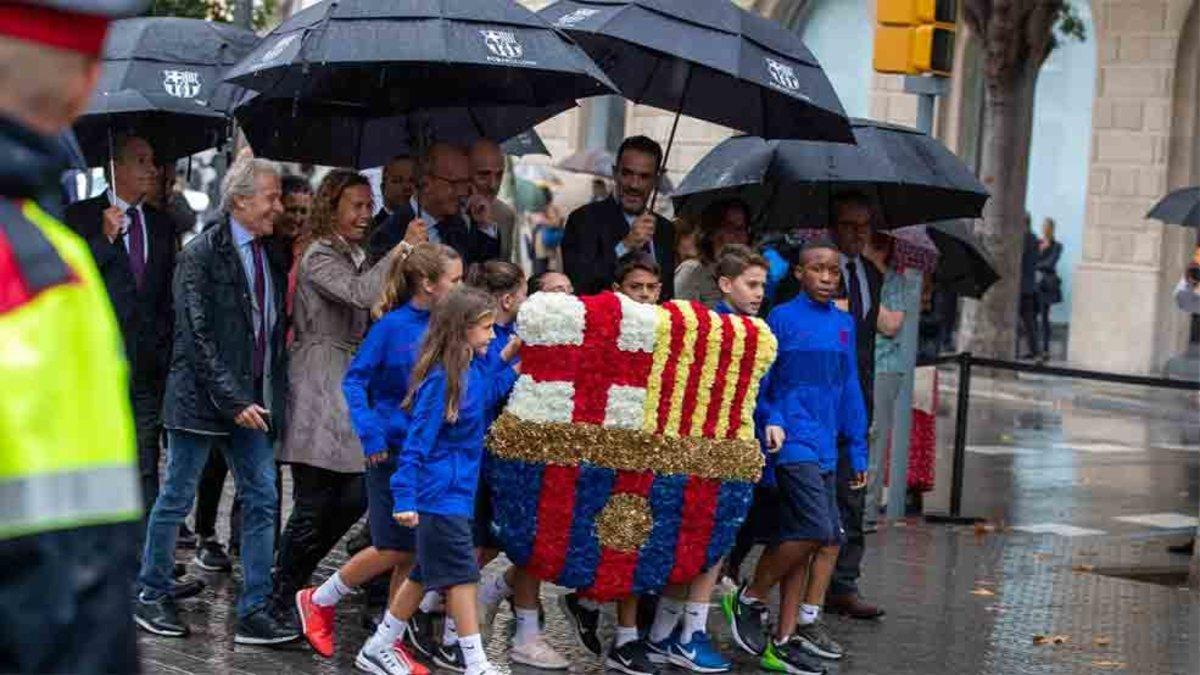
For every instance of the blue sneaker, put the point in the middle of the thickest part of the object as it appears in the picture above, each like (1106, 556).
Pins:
(660, 652)
(699, 655)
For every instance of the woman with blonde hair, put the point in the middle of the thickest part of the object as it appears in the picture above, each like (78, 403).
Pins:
(1049, 286)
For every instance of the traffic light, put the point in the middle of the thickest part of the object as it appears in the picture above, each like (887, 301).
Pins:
(915, 37)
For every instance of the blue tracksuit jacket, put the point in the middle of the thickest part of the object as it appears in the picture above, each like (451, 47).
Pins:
(812, 391)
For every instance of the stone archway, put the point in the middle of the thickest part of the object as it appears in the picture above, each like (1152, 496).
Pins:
(1122, 318)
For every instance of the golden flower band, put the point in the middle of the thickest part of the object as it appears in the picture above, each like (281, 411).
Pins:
(624, 449)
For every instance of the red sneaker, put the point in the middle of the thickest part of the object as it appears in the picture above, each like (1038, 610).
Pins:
(414, 666)
(316, 622)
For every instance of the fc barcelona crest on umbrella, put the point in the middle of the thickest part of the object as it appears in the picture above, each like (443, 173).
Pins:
(782, 75)
(181, 83)
(502, 45)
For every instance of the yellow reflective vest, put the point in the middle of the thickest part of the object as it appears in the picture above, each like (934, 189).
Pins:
(67, 444)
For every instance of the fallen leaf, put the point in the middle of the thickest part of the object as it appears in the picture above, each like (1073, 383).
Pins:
(983, 592)
(1051, 639)
(1083, 568)
(984, 528)
(1040, 639)
(1060, 639)
(1101, 641)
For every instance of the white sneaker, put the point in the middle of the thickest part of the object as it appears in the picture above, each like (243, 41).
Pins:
(379, 659)
(539, 654)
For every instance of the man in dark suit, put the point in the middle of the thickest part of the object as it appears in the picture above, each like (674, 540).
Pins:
(397, 185)
(134, 247)
(853, 214)
(226, 391)
(445, 179)
(599, 233)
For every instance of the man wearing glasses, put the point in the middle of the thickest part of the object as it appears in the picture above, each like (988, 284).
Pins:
(600, 233)
(444, 180)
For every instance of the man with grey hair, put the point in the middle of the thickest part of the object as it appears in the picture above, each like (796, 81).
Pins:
(225, 391)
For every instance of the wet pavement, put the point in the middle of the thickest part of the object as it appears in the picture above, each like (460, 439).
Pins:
(1075, 481)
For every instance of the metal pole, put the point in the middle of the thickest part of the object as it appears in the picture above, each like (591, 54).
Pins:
(961, 414)
(243, 14)
(925, 113)
(927, 88)
(902, 428)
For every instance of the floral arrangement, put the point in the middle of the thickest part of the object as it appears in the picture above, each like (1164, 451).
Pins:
(626, 457)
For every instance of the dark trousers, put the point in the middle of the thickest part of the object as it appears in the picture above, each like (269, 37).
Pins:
(65, 601)
(1044, 312)
(1029, 321)
(325, 505)
(208, 501)
(850, 506)
(147, 399)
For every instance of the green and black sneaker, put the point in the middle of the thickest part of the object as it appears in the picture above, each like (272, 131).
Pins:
(747, 621)
(790, 657)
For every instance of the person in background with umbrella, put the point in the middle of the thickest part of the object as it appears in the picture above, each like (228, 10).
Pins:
(853, 217)
(487, 174)
(600, 233)
(398, 183)
(899, 294)
(1028, 308)
(1049, 284)
(335, 291)
(1187, 291)
(133, 244)
(722, 223)
(68, 431)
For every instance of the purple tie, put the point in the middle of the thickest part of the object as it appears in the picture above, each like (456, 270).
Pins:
(260, 299)
(137, 246)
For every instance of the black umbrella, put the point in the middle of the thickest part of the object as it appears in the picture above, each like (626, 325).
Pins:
(1179, 207)
(708, 59)
(964, 265)
(525, 143)
(913, 178)
(346, 134)
(394, 57)
(161, 78)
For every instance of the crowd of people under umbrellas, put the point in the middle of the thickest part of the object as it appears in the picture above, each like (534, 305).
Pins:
(368, 349)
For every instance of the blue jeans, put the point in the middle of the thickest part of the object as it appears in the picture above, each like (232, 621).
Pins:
(251, 458)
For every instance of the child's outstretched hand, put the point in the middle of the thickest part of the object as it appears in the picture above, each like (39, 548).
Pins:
(511, 349)
(406, 518)
(774, 437)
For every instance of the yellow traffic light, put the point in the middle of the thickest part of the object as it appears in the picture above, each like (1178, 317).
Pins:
(915, 36)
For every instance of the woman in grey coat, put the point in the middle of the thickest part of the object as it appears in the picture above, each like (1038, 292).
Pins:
(334, 293)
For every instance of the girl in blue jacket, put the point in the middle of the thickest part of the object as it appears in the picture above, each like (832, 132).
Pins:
(374, 387)
(453, 386)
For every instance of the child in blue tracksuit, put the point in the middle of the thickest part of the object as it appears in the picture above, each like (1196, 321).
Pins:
(454, 385)
(811, 400)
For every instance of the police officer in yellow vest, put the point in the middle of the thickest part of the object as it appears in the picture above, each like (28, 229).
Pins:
(69, 502)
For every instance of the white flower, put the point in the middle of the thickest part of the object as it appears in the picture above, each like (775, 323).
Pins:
(639, 326)
(551, 319)
(625, 408)
(542, 401)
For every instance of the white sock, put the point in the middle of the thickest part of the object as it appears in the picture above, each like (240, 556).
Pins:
(449, 632)
(494, 591)
(625, 635)
(695, 620)
(666, 618)
(331, 592)
(808, 614)
(390, 629)
(473, 655)
(430, 601)
(528, 629)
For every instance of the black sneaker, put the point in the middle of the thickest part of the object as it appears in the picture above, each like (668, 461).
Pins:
(159, 616)
(450, 658)
(747, 621)
(816, 640)
(186, 587)
(586, 623)
(790, 657)
(211, 556)
(262, 628)
(186, 538)
(631, 658)
(419, 635)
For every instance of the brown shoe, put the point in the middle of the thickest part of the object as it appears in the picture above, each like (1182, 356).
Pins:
(852, 606)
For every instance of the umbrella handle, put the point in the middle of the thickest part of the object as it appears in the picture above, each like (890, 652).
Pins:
(112, 168)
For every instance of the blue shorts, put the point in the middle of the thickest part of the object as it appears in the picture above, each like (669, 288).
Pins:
(445, 552)
(807, 501)
(386, 533)
(762, 521)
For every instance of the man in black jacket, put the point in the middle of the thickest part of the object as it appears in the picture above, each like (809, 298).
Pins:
(397, 185)
(445, 179)
(225, 391)
(599, 233)
(853, 214)
(134, 247)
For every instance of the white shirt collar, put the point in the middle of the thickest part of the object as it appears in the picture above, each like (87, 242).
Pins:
(121, 203)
